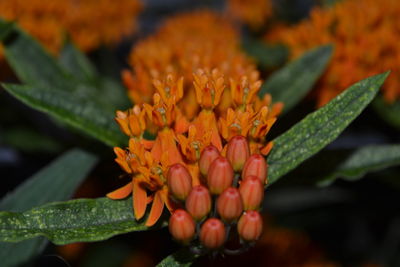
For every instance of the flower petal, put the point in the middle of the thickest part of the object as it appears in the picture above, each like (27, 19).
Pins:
(121, 192)
(156, 209)
(139, 199)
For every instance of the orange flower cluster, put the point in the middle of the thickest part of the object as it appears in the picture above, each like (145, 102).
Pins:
(185, 43)
(364, 33)
(180, 139)
(88, 22)
(252, 12)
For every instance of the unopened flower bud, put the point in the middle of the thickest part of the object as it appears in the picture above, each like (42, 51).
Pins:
(238, 152)
(250, 226)
(208, 155)
(257, 166)
(252, 192)
(229, 204)
(220, 175)
(181, 226)
(212, 233)
(198, 203)
(179, 181)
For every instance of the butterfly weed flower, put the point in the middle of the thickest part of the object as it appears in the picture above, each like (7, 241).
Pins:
(204, 112)
(208, 155)
(190, 164)
(229, 204)
(212, 234)
(353, 27)
(198, 203)
(182, 226)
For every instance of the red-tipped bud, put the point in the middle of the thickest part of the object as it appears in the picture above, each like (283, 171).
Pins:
(212, 233)
(208, 155)
(252, 192)
(250, 226)
(257, 166)
(238, 152)
(220, 175)
(182, 226)
(229, 204)
(198, 203)
(179, 181)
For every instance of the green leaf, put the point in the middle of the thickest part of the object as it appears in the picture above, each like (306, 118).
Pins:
(350, 164)
(78, 111)
(358, 162)
(291, 83)
(79, 220)
(30, 61)
(77, 63)
(266, 55)
(389, 112)
(182, 258)
(55, 182)
(107, 91)
(29, 140)
(71, 91)
(321, 127)
(5, 29)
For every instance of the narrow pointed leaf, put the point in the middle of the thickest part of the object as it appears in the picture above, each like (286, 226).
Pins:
(55, 182)
(321, 127)
(5, 29)
(24, 54)
(79, 220)
(80, 112)
(348, 164)
(77, 63)
(75, 79)
(390, 112)
(360, 161)
(266, 55)
(181, 258)
(291, 83)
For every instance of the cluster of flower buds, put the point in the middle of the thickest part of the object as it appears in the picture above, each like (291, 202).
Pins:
(225, 205)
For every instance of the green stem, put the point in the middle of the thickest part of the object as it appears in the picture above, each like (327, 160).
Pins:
(236, 179)
(214, 213)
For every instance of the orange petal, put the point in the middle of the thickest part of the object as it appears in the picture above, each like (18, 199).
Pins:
(139, 199)
(124, 126)
(121, 192)
(265, 150)
(156, 150)
(171, 205)
(277, 109)
(181, 124)
(148, 144)
(156, 209)
(216, 139)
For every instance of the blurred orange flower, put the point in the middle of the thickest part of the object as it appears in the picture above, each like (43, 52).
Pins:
(252, 12)
(89, 23)
(364, 33)
(183, 44)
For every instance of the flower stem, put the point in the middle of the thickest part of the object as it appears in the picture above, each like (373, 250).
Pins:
(236, 179)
